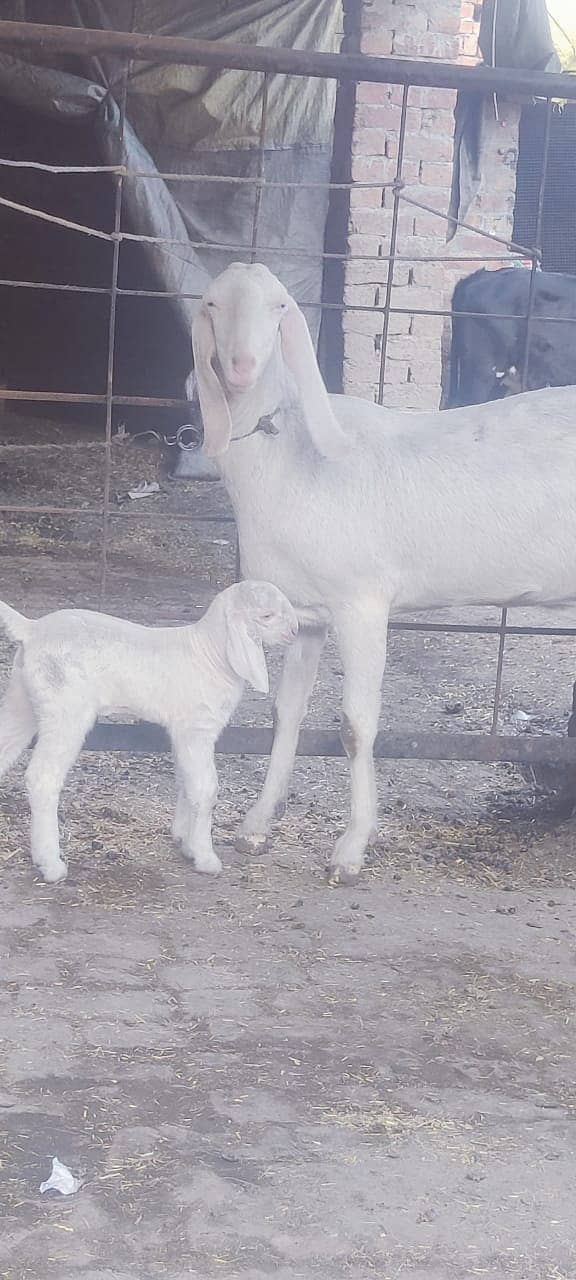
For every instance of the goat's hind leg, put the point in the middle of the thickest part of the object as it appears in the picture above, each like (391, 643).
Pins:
(17, 722)
(362, 637)
(296, 684)
(60, 740)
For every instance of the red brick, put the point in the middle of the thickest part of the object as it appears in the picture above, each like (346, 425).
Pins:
(359, 295)
(375, 273)
(448, 23)
(429, 224)
(410, 19)
(427, 246)
(411, 396)
(374, 93)
(427, 326)
(436, 175)
(419, 146)
(401, 347)
(356, 385)
(381, 17)
(377, 43)
(469, 45)
(362, 245)
(360, 348)
(435, 198)
(379, 222)
(429, 273)
(369, 142)
(371, 221)
(426, 46)
(412, 296)
(438, 120)
(372, 169)
(432, 97)
(396, 372)
(385, 118)
(364, 322)
(366, 198)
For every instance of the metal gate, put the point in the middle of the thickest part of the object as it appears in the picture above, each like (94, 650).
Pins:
(486, 747)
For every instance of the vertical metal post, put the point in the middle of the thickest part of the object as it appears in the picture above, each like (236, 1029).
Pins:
(393, 242)
(536, 258)
(260, 169)
(256, 229)
(537, 252)
(499, 668)
(119, 181)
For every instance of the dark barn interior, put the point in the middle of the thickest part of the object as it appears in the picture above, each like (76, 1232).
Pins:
(58, 341)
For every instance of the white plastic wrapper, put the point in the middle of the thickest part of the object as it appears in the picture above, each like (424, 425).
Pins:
(61, 1179)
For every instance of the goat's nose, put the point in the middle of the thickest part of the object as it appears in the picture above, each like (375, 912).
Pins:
(243, 364)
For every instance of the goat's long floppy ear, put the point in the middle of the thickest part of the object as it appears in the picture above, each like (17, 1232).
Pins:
(244, 650)
(215, 412)
(300, 357)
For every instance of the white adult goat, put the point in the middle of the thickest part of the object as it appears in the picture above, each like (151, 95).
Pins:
(73, 665)
(357, 511)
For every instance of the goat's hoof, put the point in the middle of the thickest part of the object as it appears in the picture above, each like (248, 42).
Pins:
(208, 866)
(54, 873)
(340, 876)
(251, 845)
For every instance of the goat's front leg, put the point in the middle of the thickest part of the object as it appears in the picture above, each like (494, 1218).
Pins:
(296, 684)
(182, 812)
(362, 635)
(197, 783)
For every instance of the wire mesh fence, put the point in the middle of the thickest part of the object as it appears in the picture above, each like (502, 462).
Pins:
(492, 248)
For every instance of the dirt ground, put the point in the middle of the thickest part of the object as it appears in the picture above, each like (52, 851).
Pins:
(261, 1076)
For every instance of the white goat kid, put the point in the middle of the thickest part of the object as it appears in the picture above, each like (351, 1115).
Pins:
(74, 664)
(357, 511)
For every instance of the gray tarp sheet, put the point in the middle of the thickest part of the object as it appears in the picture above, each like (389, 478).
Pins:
(189, 120)
(512, 34)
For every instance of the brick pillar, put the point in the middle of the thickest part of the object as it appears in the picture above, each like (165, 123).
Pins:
(436, 29)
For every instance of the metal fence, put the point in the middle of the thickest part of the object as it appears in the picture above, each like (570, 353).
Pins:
(129, 46)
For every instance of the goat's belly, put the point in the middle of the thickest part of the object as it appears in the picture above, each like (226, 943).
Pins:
(503, 591)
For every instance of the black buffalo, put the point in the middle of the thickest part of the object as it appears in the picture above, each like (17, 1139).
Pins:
(487, 351)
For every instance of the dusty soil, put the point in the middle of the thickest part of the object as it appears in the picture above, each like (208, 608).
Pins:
(261, 1076)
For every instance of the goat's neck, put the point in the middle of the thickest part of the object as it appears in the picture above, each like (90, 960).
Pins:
(207, 640)
(273, 391)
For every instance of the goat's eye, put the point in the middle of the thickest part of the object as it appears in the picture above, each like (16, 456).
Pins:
(267, 617)
(211, 304)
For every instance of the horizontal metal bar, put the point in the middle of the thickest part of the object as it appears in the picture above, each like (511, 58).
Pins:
(482, 629)
(238, 740)
(59, 169)
(164, 293)
(126, 514)
(57, 288)
(296, 62)
(81, 397)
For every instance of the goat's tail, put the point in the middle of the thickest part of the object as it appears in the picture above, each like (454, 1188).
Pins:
(15, 624)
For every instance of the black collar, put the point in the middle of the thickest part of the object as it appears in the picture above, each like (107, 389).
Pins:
(264, 424)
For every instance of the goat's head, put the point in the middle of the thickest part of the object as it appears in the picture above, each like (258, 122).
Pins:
(256, 613)
(243, 315)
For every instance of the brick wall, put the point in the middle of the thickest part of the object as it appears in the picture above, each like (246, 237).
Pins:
(438, 29)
